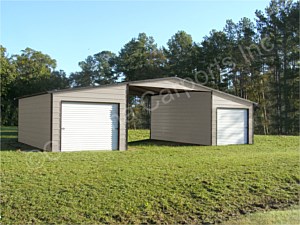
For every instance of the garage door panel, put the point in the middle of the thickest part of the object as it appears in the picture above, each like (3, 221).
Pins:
(69, 126)
(232, 122)
(234, 142)
(89, 126)
(231, 117)
(232, 126)
(87, 136)
(231, 137)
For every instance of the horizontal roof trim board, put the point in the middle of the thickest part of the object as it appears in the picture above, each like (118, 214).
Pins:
(184, 85)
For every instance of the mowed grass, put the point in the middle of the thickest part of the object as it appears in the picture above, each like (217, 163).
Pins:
(150, 183)
(284, 217)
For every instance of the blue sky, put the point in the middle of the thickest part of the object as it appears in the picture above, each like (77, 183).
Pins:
(69, 31)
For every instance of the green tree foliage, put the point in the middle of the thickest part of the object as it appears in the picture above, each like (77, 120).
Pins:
(248, 76)
(138, 112)
(259, 62)
(8, 75)
(241, 40)
(56, 81)
(280, 24)
(86, 76)
(7, 70)
(141, 59)
(98, 69)
(106, 68)
(25, 74)
(32, 67)
(181, 55)
(215, 49)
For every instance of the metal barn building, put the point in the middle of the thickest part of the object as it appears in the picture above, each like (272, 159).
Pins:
(95, 118)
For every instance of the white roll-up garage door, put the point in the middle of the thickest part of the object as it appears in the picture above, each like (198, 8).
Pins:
(89, 126)
(232, 126)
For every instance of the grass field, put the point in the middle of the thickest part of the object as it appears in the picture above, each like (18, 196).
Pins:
(284, 217)
(150, 183)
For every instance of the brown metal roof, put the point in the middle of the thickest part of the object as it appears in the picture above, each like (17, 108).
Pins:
(184, 82)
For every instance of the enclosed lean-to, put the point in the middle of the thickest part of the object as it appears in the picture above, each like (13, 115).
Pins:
(96, 118)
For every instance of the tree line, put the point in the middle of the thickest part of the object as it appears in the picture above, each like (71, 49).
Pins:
(257, 60)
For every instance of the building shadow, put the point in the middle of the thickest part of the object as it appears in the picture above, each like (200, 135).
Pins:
(151, 142)
(9, 140)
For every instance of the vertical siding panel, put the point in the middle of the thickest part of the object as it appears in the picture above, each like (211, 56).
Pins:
(110, 94)
(34, 122)
(184, 117)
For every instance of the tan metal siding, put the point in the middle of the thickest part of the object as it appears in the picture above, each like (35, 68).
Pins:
(222, 101)
(35, 121)
(112, 94)
(186, 117)
(170, 84)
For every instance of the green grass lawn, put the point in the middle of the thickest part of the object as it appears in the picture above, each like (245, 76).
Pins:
(284, 217)
(152, 182)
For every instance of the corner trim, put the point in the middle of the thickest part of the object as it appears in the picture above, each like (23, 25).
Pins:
(150, 118)
(211, 118)
(119, 128)
(51, 121)
(252, 111)
(126, 115)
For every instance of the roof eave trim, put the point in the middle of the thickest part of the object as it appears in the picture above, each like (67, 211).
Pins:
(215, 90)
